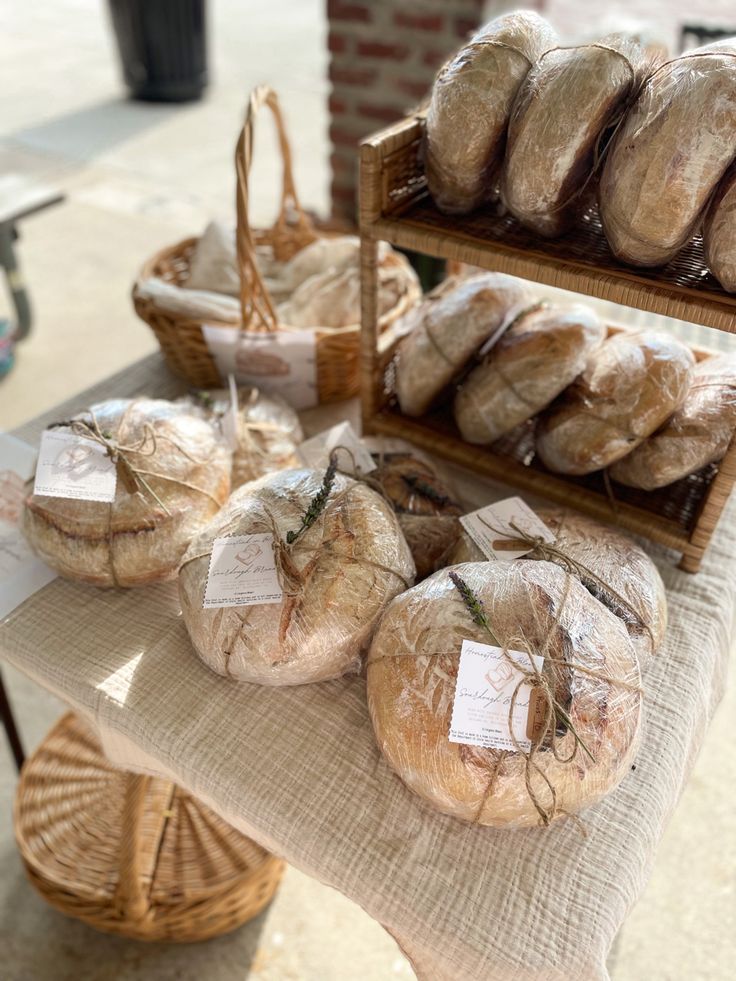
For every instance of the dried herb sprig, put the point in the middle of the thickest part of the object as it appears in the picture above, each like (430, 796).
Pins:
(318, 502)
(471, 601)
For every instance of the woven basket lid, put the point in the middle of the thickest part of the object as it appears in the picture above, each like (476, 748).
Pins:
(130, 854)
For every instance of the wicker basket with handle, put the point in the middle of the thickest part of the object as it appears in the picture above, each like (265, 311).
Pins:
(129, 854)
(182, 340)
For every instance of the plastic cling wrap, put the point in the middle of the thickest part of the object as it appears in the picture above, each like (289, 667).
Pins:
(566, 103)
(446, 330)
(631, 385)
(669, 154)
(719, 232)
(543, 351)
(180, 470)
(610, 565)
(470, 107)
(589, 668)
(337, 575)
(697, 434)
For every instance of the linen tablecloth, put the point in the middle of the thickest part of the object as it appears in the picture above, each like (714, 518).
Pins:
(298, 769)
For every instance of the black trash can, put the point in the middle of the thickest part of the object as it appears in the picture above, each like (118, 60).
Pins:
(162, 46)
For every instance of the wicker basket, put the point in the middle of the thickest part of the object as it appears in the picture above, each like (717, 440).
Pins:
(181, 339)
(132, 855)
(395, 207)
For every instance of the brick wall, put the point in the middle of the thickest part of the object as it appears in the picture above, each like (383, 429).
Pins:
(384, 55)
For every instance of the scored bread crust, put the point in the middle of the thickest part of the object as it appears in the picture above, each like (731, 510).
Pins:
(669, 154)
(471, 102)
(447, 329)
(353, 560)
(564, 105)
(542, 352)
(617, 562)
(133, 541)
(411, 687)
(630, 386)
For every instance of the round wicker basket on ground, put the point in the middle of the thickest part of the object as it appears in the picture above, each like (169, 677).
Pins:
(181, 339)
(129, 854)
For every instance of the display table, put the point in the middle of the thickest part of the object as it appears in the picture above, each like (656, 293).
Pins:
(298, 769)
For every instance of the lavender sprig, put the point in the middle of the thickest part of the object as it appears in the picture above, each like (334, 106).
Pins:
(471, 601)
(318, 502)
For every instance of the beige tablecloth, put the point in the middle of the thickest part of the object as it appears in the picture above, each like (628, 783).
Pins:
(298, 770)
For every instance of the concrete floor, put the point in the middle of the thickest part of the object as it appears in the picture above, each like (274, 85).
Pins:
(139, 177)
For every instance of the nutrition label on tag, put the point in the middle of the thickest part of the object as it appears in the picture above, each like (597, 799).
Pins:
(72, 466)
(486, 680)
(491, 528)
(315, 452)
(242, 572)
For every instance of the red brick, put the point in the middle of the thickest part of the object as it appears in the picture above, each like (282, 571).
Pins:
(412, 88)
(387, 114)
(336, 106)
(340, 10)
(343, 164)
(465, 26)
(336, 43)
(433, 59)
(344, 137)
(378, 49)
(344, 194)
(352, 76)
(419, 22)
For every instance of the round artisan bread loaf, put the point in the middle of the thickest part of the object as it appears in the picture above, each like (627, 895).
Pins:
(447, 329)
(428, 516)
(565, 104)
(336, 577)
(669, 154)
(631, 385)
(699, 432)
(470, 106)
(610, 565)
(181, 467)
(531, 607)
(719, 232)
(539, 355)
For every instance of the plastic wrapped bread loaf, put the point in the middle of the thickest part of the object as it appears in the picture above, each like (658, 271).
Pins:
(471, 102)
(446, 330)
(538, 356)
(719, 232)
(567, 101)
(697, 434)
(140, 537)
(632, 384)
(609, 564)
(531, 607)
(268, 431)
(670, 153)
(337, 578)
(428, 516)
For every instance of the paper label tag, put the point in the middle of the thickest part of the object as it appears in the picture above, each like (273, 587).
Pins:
(485, 684)
(315, 452)
(21, 573)
(283, 362)
(75, 467)
(490, 528)
(229, 421)
(242, 572)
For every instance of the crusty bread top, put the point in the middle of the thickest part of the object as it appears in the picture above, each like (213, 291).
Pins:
(719, 232)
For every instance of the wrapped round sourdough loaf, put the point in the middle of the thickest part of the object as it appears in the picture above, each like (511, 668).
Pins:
(446, 330)
(173, 476)
(428, 516)
(610, 565)
(340, 557)
(539, 355)
(268, 431)
(566, 103)
(590, 675)
(470, 107)
(631, 385)
(719, 232)
(670, 152)
(697, 434)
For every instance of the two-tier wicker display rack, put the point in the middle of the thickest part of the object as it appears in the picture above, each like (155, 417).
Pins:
(395, 207)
